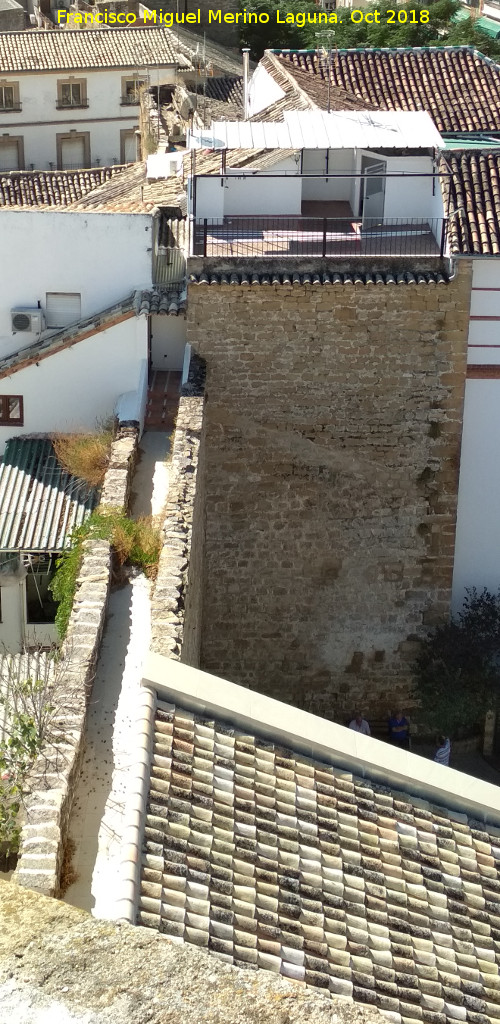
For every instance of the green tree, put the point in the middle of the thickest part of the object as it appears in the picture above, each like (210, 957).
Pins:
(440, 30)
(457, 672)
(29, 710)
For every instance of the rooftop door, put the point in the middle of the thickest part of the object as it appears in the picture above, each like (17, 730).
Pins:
(372, 191)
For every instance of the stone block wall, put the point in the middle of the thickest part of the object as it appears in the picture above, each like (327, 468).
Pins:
(176, 603)
(334, 418)
(55, 776)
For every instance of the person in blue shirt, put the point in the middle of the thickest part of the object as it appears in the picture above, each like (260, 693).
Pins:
(442, 755)
(399, 730)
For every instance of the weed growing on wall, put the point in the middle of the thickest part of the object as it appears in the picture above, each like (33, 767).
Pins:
(85, 456)
(134, 541)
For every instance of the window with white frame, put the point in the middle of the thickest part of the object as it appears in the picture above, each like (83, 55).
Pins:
(131, 88)
(72, 93)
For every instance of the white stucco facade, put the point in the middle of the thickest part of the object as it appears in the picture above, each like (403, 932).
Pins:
(72, 390)
(103, 116)
(16, 632)
(263, 90)
(102, 257)
(168, 342)
(321, 176)
(477, 549)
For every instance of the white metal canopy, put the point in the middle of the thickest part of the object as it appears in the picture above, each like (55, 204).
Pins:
(317, 129)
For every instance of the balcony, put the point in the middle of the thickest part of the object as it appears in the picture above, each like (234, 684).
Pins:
(281, 236)
(14, 108)
(71, 106)
(130, 101)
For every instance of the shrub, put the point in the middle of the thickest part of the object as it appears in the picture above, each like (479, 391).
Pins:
(458, 668)
(85, 455)
(134, 541)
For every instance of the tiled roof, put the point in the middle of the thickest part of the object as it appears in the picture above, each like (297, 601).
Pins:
(457, 85)
(209, 162)
(133, 193)
(205, 52)
(330, 278)
(75, 49)
(227, 90)
(272, 860)
(169, 301)
(473, 192)
(306, 91)
(51, 188)
(219, 99)
(40, 502)
(123, 189)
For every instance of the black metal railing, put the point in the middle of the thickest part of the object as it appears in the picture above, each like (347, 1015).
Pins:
(314, 236)
(14, 107)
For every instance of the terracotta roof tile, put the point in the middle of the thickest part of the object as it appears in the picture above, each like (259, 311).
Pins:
(328, 278)
(473, 194)
(74, 49)
(241, 858)
(457, 85)
(51, 188)
(121, 189)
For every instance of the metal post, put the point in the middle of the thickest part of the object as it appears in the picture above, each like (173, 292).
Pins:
(205, 233)
(325, 222)
(443, 238)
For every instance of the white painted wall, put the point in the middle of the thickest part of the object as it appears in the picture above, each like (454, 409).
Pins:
(103, 256)
(477, 548)
(412, 197)
(168, 342)
(484, 335)
(13, 599)
(131, 406)
(248, 194)
(340, 161)
(254, 196)
(209, 199)
(74, 389)
(15, 632)
(39, 120)
(262, 91)
(491, 11)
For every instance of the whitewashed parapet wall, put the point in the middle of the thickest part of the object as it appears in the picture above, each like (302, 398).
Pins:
(48, 807)
(176, 605)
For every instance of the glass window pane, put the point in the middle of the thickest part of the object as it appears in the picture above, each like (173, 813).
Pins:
(14, 408)
(77, 94)
(66, 94)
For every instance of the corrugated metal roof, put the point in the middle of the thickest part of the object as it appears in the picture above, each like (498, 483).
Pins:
(40, 503)
(317, 129)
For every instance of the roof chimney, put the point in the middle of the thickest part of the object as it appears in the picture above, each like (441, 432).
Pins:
(245, 83)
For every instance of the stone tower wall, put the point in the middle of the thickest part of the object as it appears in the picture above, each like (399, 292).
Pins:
(334, 420)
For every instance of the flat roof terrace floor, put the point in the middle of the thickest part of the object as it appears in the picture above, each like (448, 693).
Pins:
(316, 236)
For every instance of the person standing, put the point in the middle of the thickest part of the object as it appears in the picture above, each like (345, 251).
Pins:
(359, 724)
(399, 730)
(442, 755)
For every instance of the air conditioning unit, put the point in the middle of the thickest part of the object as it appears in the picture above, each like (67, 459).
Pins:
(27, 321)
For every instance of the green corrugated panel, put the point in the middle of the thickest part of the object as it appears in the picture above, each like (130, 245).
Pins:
(490, 27)
(462, 15)
(40, 503)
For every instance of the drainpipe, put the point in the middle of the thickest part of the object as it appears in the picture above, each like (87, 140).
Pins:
(245, 83)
